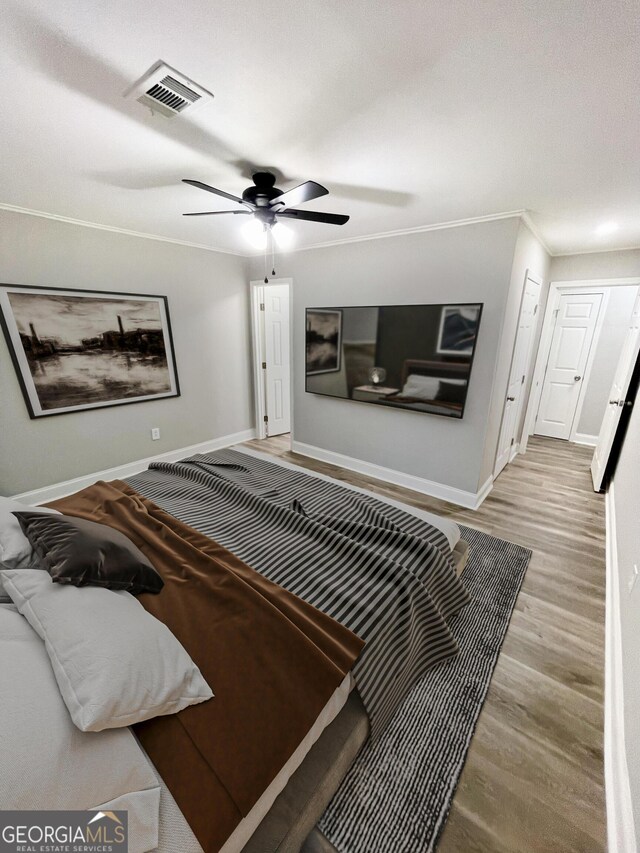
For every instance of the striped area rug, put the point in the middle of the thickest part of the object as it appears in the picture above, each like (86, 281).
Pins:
(397, 796)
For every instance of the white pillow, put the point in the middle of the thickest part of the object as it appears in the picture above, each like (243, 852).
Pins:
(115, 664)
(46, 762)
(426, 387)
(421, 387)
(15, 549)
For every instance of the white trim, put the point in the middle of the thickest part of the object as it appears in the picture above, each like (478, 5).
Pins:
(584, 438)
(12, 208)
(469, 500)
(400, 232)
(596, 282)
(67, 487)
(620, 823)
(437, 226)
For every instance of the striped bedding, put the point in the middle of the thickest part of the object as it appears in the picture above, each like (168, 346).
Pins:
(383, 573)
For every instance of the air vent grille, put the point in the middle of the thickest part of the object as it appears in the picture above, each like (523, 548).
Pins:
(168, 93)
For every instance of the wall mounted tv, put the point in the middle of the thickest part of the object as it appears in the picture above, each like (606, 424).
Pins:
(415, 357)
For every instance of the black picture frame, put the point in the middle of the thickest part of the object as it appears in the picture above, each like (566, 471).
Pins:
(146, 353)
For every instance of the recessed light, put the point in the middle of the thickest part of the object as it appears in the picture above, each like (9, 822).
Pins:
(606, 228)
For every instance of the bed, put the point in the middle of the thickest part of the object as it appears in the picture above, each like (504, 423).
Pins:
(320, 541)
(437, 387)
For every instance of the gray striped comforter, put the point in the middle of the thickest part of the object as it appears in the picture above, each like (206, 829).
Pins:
(385, 574)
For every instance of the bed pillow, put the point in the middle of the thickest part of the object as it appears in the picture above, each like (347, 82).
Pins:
(115, 664)
(16, 552)
(421, 387)
(46, 763)
(85, 553)
(452, 392)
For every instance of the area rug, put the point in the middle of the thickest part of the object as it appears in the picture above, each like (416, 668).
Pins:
(398, 793)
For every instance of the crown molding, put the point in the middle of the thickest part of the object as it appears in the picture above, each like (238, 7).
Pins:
(420, 229)
(383, 235)
(528, 221)
(12, 208)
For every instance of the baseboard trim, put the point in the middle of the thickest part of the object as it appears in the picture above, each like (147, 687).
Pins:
(584, 438)
(468, 500)
(620, 824)
(67, 487)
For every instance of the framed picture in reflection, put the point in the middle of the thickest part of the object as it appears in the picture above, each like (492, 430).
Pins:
(86, 349)
(458, 330)
(323, 340)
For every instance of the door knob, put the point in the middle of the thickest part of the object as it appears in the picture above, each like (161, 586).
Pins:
(511, 399)
(577, 378)
(614, 402)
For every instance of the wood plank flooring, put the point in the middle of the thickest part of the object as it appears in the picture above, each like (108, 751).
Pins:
(533, 779)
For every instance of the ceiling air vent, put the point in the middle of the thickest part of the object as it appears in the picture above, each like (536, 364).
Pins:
(164, 90)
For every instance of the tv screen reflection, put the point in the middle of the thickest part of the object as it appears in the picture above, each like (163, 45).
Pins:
(415, 357)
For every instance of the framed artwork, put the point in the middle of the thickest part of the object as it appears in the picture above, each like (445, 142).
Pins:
(323, 340)
(458, 329)
(86, 349)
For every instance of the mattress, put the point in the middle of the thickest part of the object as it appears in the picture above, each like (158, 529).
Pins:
(448, 527)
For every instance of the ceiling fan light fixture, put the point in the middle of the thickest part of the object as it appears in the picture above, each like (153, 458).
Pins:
(284, 236)
(255, 233)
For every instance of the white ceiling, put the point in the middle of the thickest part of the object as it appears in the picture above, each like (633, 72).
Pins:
(411, 112)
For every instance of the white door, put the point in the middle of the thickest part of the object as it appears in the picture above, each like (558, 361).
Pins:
(617, 398)
(520, 366)
(576, 320)
(276, 365)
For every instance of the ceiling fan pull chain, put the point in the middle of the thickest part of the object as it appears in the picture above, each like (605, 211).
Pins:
(273, 254)
(266, 280)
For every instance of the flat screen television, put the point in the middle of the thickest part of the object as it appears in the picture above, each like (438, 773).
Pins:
(415, 357)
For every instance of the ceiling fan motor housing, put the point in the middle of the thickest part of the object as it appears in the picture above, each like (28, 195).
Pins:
(264, 191)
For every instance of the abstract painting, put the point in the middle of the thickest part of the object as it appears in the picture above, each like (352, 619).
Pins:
(79, 349)
(323, 340)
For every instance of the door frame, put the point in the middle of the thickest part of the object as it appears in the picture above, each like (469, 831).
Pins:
(258, 348)
(556, 290)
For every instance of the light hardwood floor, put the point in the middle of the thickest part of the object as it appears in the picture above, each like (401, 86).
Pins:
(533, 779)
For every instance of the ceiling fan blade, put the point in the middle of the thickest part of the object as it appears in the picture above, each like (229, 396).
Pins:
(314, 216)
(222, 193)
(298, 195)
(220, 212)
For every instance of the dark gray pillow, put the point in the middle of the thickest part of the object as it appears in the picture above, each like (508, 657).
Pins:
(85, 553)
(449, 392)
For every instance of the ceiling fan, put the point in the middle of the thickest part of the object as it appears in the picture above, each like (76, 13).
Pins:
(266, 204)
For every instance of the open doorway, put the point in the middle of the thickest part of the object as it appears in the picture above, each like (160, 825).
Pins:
(580, 346)
(271, 334)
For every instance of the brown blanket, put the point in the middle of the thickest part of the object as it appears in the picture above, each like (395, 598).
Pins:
(272, 660)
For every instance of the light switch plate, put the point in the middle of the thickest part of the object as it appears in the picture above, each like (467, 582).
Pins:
(155, 433)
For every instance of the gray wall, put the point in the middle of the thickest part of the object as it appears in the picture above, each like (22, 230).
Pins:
(466, 264)
(623, 264)
(208, 305)
(627, 514)
(614, 327)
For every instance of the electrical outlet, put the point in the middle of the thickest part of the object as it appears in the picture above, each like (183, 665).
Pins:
(633, 578)
(155, 433)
